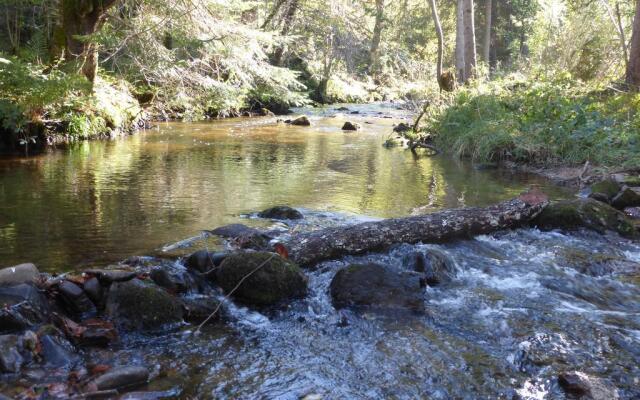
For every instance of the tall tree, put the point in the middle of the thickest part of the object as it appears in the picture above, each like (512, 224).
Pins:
(470, 57)
(287, 22)
(436, 22)
(374, 53)
(486, 48)
(80, 20)
(633, 69)
(460, 70)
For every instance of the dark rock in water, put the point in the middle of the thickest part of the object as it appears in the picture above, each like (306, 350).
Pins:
(11, 359)
(281, 212)
(121, 378)
(75, 300)
(57, 352)
(23, 273)
(172, 280)
(436, 267)
(138, 305)
(200, 261)
(97, 332)
(376, 287)
(605, 190)
(402, 127)
(301, 121)
(264, 112)
(342, 109)
(109, 276)
(350, 126)
(584, 213)
(627, 197)
(354, 112)
(94, 290)
(263, 278)
(233, 230)
(256, 241)
(18, 317)
(581, 386)
(596, 263)
(167, 394)
(13, 295)
(198, 309)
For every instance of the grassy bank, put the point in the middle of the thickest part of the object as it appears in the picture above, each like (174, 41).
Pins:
(560, 122)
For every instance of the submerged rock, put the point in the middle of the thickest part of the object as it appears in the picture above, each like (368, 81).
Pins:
(437, 268)
(584, 213)
(23, 273)
(596, 263)
(11, 358)
(56, 351)
(233, 230)
(301, 121)
(121, 378)
(605, 190)
(138, 305)
(581, 386)
(261, 278)
(402, 127)
(281, 212)
(350, 126)
(377, 287)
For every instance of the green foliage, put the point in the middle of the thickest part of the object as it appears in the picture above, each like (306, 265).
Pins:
(540, 122)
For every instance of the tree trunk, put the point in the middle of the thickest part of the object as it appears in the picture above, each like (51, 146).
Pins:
(470, 58)
(487, 32)
(286, 28)
(374, 56)
(460, 71)
(633, 70)
(436, 21)
(80, 19)
(308, 249)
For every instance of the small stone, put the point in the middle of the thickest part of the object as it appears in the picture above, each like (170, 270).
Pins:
(301, 121)
(23, 273)
(94, 290)
(56, 351)
(350, 126)
(583, 386)
(75, 299)
(121, 378)
(109, 276)
(281, 212)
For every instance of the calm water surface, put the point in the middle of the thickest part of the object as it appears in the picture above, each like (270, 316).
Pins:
(100, 202)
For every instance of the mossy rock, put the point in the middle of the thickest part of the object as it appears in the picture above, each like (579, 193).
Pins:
(605, 190)
(275, 281)
(140, 305)
(585, 213)
(595, 263)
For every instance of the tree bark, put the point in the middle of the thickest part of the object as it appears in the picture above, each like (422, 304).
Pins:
(436, 21)
(633, 70)
(486, 49)
(374, 56)
(470, 57)
(308, 249)
(460, 71)
(80, 19)
(286, 28)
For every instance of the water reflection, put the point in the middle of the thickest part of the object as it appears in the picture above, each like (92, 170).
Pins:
(100, 202)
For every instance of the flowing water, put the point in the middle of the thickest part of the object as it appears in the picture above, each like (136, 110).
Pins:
(524, 305)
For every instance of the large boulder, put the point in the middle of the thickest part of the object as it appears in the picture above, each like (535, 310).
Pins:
(23, 273)
(301, 121)
(435, 266)
(260, 278)
(627, 197)
(584, 213)
(18, 317)
(172, 279)
(139, 305)
(376, 287)
(604, 190)
(281, 212)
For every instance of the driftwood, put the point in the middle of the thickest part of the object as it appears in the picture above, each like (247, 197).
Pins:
(308, 249)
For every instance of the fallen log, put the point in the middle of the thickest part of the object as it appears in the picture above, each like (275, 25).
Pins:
(308, 249)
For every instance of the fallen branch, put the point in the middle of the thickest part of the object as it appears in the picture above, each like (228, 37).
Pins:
(308, 249)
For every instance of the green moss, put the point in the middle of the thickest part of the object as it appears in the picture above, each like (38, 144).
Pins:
(608, 187)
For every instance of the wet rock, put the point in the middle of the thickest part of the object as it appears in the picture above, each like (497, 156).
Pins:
(596, 263)
(264, 112)
(354, 112)
(23, 273)
(261, 278)
(168, 394)
(604, 190)
(350, 126)
(233, 230)
(56, 351)
(109, 276)
(402, 127)
(171, 279)
(342, 109)
(627, 197)
(435, 266)
(578, 385)
(198, 309)
(485, 166)
(584, 213)
(18, 317)
(256, 241)
(11, 359)
(301, 121)
(75, 300)
(376, 287)
(281, 212)
(632, 212)
(25, 293)
(94, 291)
(200, 261)
(138, 305)
(122, 378)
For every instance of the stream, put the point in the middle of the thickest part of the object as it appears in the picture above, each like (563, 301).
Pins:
(524, 306)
